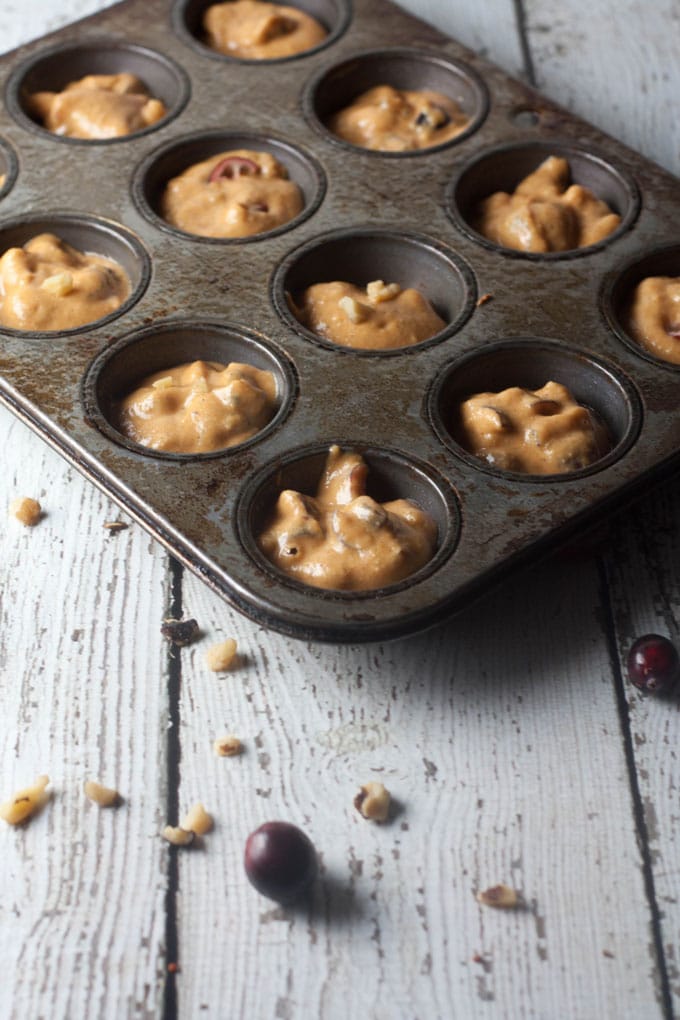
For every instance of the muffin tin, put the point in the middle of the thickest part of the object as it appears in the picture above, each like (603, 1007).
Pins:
(511, 318)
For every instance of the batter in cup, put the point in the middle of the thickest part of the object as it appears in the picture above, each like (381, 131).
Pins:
(98, 106)
(343, 539)
(545, 213)
(541, 432)
(386, 119)
(256, 30)
(49, 285)
(380, 316)
(654, 317)
(233, 194)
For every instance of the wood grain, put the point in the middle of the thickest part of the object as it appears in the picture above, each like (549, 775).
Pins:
(83, 694)
(614, 64)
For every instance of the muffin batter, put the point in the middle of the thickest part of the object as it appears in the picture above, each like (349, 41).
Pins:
(342, 538)
(545, 213)
(97, 106)
(255, 30)
(48, 285)
(232, 194)
(386, 119)
(198, 407)
(378, 317)
(544, 432)
(654, 317)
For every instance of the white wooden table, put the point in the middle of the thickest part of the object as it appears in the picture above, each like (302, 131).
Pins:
(514, 746)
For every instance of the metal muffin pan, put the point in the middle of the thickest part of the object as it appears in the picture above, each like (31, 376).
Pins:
(510, 318)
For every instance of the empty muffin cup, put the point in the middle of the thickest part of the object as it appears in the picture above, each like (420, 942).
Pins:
(332, 15)
(167, 163)
(390, 476)
(91, 235)
(333, 90)
(362, 256)
(120, 369)
(502, 169)
(55, 68)
(530, 363)
(642, 305)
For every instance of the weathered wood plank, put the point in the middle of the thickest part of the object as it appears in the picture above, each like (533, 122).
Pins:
(499, 738)
(643, 570)
(83, 696)
(616, 64)
(489, 28)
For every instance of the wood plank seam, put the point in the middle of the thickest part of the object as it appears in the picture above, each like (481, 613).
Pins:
(174, 755)
(524, 43)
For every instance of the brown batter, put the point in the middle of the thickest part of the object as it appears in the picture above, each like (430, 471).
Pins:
(391, 120)
(198, 407)
(255, 30)
(379, 317)
(343, 539)
(97, 106)
(654, 317)
(538, 433)
(48, 285)
(545, 213)
(232, 194)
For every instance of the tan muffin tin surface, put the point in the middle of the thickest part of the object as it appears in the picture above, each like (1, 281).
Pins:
(510, 319)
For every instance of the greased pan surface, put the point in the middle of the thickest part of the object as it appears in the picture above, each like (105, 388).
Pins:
(367, 215)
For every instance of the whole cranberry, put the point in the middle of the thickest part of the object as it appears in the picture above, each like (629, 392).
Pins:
(653, 664)
(280, 861)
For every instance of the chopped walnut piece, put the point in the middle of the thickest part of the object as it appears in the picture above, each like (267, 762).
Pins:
(105, 796)
(373, 802)
(180, 632)
(228, 747)
(116, 525)
(26, 510)
(197, 820)
(378, 291)
(162, 384)
(499, 896)
(25, 802)
(221, 656)
(60, 284)
(177, 836)
(353, 309)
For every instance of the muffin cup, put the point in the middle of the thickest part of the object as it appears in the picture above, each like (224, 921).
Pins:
(333, 89)
(119, 369)
(88, 234)
(153, 174)
(187, 17)
(391, 475)
(359, 255)
(54, 68)
(531, 362)
(617, 292)
(503, 167)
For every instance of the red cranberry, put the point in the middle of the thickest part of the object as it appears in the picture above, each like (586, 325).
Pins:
(280, 861)
(653, 664)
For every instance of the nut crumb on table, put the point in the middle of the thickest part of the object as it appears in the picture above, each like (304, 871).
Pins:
(180, 632)
(373, 802)
(178, 836)
(25, 803)
(26, 510)
(499, 896)
(197, 820)
(228, 746)
(221, 656)
(104, 796)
